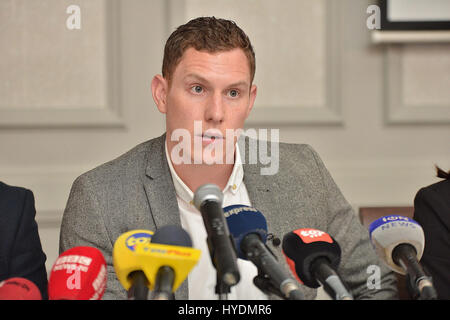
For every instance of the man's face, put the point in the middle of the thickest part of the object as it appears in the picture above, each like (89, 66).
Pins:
(213, 88)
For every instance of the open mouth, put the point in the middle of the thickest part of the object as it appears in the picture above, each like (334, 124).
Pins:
(208, 137)
(212, 136)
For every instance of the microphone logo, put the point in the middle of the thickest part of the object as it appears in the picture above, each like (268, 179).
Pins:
(313, 235)
(238, 209)
(395, 218)
(175, 252)
(15, 283)
(72, 262)
(99, 283)
(136, 239)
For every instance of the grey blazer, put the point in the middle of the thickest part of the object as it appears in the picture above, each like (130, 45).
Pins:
(135, 191)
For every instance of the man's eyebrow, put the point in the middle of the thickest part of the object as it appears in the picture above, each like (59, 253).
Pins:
(196, 77)
(202, 79)
(240, 83)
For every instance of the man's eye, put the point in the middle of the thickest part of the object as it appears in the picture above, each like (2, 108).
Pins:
(197, 89)
(233, 93)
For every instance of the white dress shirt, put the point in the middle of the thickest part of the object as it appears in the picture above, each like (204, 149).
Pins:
(202, 278)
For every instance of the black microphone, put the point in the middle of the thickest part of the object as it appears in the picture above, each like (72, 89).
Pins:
(314, 256)
(177, 240)
(208, 200)
(405, 255)
(249, 229)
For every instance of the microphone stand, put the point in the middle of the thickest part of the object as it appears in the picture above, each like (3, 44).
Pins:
(165, 278)
(277, 282)
(139, 289)
(263, 283)
(222, 289)
(406, 256)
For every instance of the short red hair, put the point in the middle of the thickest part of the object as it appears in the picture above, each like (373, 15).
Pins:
(206, 34)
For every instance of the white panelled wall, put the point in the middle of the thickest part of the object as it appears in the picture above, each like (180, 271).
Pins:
(73, 99)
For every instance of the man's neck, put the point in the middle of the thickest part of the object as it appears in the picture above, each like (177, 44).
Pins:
(195, 175)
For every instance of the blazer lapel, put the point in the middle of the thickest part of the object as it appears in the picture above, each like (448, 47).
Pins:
(263, 196)
(161, 195)
(159, 187)
(266, 195)
(263, 190)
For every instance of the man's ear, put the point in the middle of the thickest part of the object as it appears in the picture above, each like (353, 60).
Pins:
(159, 92)
(253, 91)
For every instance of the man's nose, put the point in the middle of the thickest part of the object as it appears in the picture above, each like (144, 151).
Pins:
(215, 111)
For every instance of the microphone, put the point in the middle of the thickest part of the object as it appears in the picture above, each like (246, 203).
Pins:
(19, 289)
(313, 256)
(78, 274)
(137, 262)
(178, 242)
(249, 230)
(400, 242)
(127, 262)
(208, 200)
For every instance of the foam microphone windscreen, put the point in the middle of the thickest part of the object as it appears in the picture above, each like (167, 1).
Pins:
(243, 220)
(172, 235)
(78, 274)
(388, 232)
(303, 246)
(19, 289)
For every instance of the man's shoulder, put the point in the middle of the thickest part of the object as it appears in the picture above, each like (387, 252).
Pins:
(296, 150)
(284, 159)
(16, 208)
(12, 190)
(127, 166)
(298, 154)
(287, 150)
(13, 197)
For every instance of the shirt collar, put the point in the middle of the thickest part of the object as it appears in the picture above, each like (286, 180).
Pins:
(186, 194)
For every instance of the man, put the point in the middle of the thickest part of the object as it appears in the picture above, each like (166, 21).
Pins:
(207, 79)
(432, 211)
(21, 252)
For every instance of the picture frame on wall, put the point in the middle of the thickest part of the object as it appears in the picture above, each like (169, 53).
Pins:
(415, 15)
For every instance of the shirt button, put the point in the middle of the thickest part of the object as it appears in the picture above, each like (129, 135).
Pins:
(234, 187)
(191, 202)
